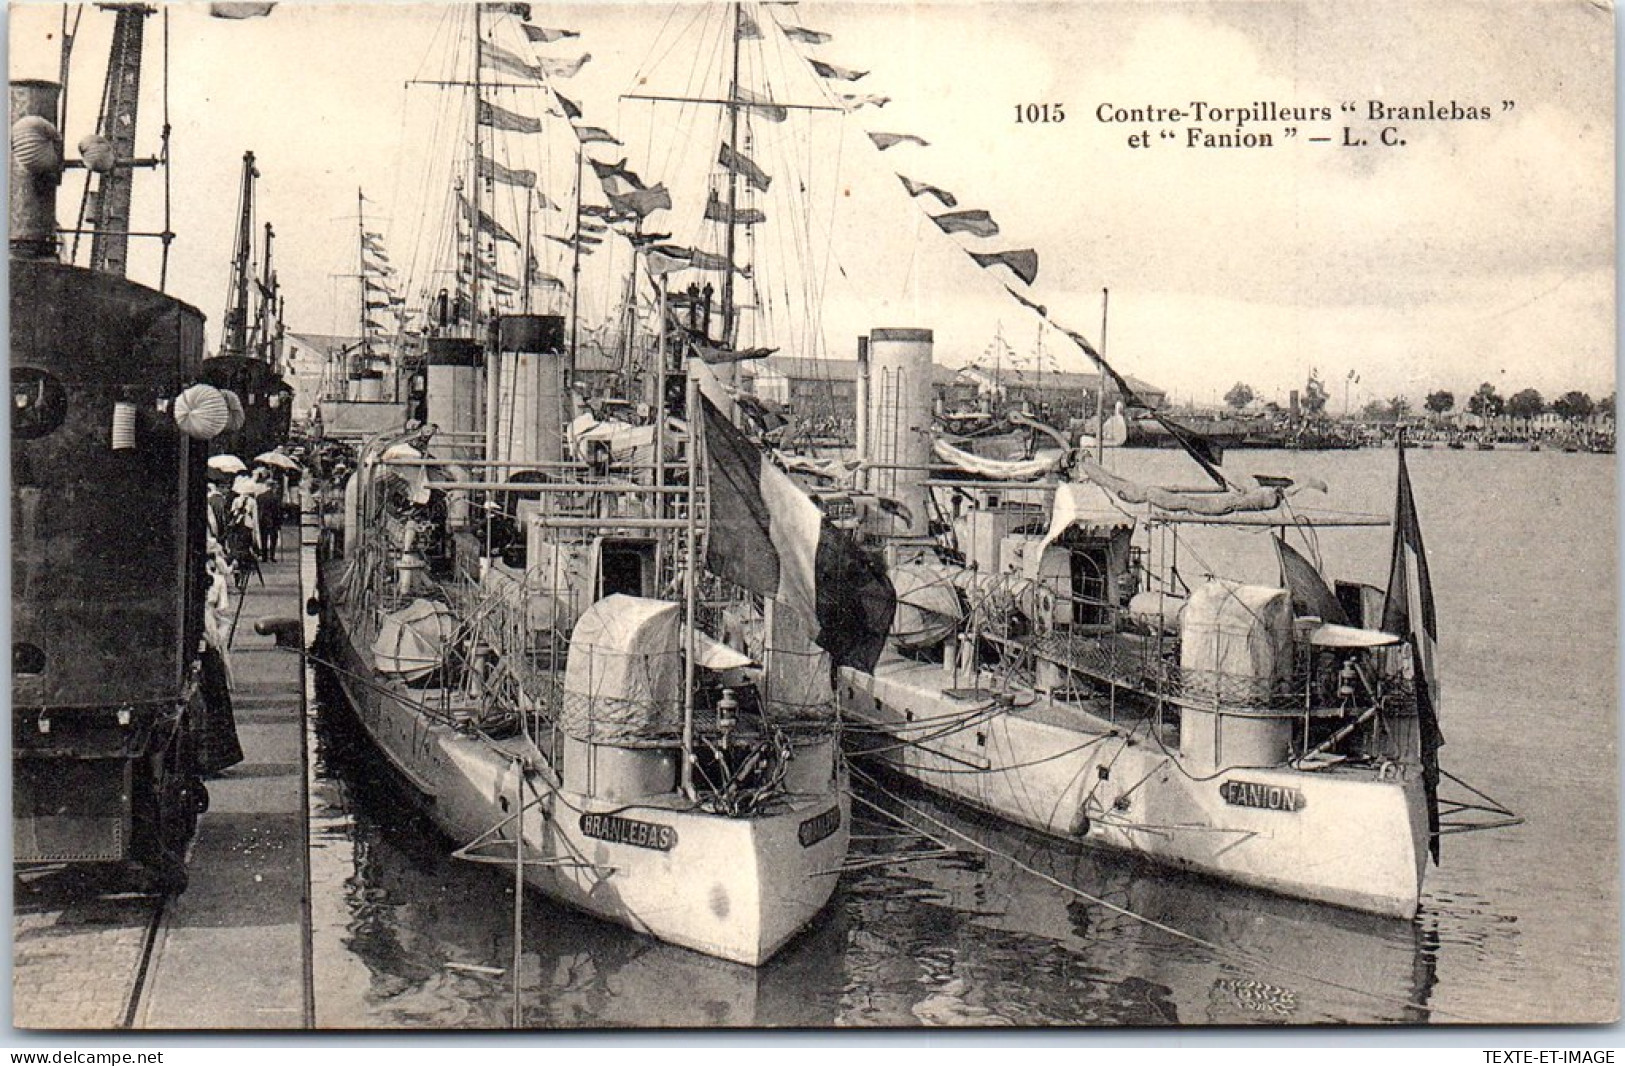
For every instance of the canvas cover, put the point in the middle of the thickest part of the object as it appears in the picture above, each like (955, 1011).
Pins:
(1235, 641)
(623, 683)
(411, 642)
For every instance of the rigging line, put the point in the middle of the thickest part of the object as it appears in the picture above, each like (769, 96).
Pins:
(1221, 952)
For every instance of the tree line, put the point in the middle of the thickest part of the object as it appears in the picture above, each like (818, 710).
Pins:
(1486, 402)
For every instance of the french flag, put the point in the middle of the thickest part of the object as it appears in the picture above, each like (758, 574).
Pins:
(1408, 612)
(766, 535)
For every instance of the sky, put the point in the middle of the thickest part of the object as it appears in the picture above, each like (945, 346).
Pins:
(1479, 250)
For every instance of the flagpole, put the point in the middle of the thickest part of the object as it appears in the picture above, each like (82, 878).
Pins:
(1100, 408)
(575, 272)
(691, 411)
(361, 272)
(733, 193)
(474, 223)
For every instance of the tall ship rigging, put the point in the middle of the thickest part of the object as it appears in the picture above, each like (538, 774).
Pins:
(567, 644)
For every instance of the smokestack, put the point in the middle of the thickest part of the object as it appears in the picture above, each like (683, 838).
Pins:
(36, 168)
(898, 432)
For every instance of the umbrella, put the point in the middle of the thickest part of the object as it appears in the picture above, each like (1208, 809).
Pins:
(227, 464)
(277, 459)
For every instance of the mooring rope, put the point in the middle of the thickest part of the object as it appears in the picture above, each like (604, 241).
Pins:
(1221, 952)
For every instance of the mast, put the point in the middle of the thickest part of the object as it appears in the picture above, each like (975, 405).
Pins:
(475, 199)
(524, 269)
(234, 337)
(729, 238)
(575, 272)
(361, 272)
(1100, 408)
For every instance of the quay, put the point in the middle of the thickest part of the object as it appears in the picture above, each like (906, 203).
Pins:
(233, 950)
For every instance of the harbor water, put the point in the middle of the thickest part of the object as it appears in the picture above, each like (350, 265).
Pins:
(1517, 924)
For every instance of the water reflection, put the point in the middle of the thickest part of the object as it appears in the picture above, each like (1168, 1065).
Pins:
(408, 937)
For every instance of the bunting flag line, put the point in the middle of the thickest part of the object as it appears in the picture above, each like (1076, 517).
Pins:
(543, 35)
(517, 10)
(499, 118)
(1206, 454)
(497, 57)
(1408, 612)
(806, 36)
(589, 226)
(717, 211)
(1023, 262)
(489, 273)
(562, 68)
(714, 355)
(761, 105)
(853, 102)
(606, 171)
(491, 170)
(704, 260)
(572, 110)
(643, 240)
(240, 11)
(487, 224)
(641, 202)
(920, 188)
(660, 263)
(745, 168)
(978, 223)
(595, 135)
(1311, 596)
(830, 70)
(1043, 312)
(766, 535)
(698, 259)
(884, 141)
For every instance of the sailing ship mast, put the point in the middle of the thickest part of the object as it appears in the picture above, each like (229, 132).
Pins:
(729, 234)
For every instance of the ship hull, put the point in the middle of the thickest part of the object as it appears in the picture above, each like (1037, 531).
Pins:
(737, 888)
(1343, 837)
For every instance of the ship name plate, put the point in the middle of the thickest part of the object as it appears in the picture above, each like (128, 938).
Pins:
(819, 826)
(618, 830)
(1239, 793)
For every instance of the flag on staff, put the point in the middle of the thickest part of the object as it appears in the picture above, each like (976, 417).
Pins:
(766, 535)
(1311, 596)
(1408, 612)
